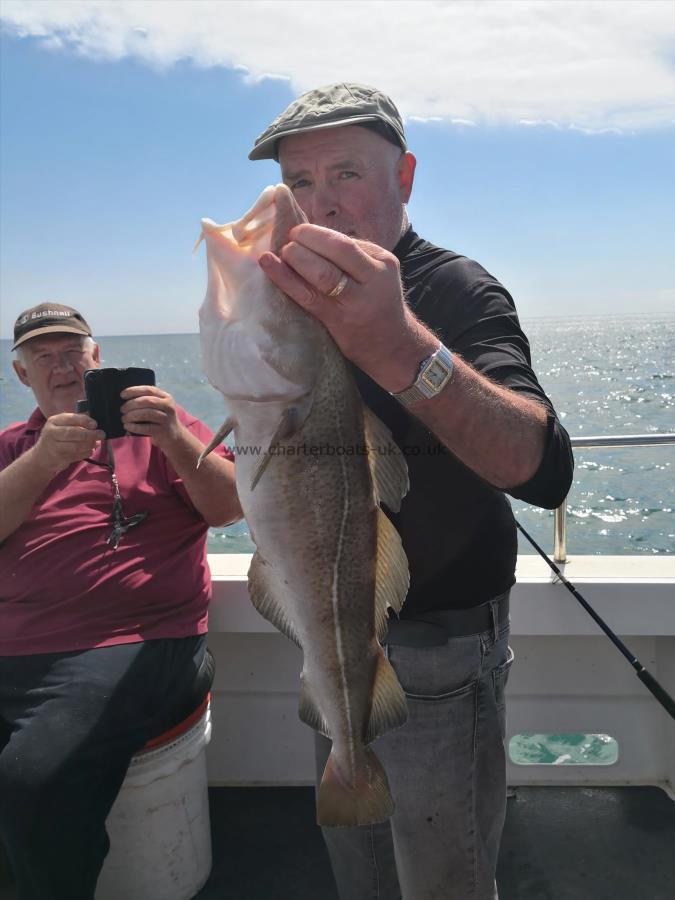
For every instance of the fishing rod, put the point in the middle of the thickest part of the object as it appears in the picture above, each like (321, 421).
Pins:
(659, 692)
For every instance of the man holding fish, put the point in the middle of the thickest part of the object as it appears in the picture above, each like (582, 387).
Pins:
(437, 351)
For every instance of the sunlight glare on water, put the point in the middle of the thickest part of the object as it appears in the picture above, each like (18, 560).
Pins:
(609, 375)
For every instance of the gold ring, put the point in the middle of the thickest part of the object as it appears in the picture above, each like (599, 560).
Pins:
(339, 287)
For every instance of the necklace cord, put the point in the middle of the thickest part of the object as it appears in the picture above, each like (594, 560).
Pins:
(120, 523)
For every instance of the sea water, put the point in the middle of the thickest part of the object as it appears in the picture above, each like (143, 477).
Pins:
(605, 375)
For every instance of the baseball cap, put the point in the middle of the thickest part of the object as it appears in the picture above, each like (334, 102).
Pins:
(346, 103)
(48, 318)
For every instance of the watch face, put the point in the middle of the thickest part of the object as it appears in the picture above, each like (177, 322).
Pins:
(436, 375)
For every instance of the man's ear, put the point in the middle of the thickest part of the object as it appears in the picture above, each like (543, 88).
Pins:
(406, 175)
(21, 373)
(96, 353)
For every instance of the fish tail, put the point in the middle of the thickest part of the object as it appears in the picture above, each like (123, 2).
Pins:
(364, 800)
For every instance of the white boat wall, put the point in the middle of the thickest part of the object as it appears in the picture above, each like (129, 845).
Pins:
(568, 677)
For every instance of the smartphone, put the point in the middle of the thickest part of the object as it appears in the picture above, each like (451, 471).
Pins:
(102, 388)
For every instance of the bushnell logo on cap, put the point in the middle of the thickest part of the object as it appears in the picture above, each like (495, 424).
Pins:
(330, 107)
(48, 318)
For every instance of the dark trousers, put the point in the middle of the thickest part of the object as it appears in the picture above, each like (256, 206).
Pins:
(69, 725)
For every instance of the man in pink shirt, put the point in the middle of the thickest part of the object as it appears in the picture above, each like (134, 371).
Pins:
(104, 588)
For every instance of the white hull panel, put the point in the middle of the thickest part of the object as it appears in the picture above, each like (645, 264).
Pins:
(568, 677)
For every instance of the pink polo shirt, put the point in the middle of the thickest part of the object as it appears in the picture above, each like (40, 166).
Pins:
(62, 587)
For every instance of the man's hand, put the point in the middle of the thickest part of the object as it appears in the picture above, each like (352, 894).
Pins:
(369, 320)
(211, 487)
(66, 438)
(151, 412)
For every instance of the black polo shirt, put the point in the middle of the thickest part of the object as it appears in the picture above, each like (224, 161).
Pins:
(457, 530)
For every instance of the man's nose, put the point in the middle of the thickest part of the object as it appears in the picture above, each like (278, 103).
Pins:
(62, 361)
(324, 205)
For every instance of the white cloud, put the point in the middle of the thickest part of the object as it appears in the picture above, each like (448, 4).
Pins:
(534, 123)
(593, 65)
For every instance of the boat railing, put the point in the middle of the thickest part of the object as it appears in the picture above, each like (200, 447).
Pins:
(595, 442)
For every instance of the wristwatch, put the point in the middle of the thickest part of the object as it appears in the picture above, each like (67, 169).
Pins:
(434, 374)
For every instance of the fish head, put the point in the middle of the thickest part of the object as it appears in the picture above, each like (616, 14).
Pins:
(257, 344)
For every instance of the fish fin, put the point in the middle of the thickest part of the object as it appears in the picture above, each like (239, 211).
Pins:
(389, 708)
(217, 438)
(287, 215)
(308, 710)
(288, 423)
(364, 802)
(387, 464)
(264, 601)
(260, 468)
(391, 573)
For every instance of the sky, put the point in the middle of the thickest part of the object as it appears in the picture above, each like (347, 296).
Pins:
(544, 134)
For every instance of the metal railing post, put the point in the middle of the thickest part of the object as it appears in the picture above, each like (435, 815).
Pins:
(560, 534)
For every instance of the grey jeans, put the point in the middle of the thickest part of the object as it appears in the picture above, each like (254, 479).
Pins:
(446, 769)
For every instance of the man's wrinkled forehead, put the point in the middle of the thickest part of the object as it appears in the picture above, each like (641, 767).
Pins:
(333, 147)
(47, 342)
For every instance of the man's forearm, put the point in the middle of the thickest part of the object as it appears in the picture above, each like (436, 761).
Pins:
(21, 485)
(496, 433)
(212, 486)
(492, 430)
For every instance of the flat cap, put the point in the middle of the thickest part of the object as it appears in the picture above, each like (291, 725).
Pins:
(346, 103)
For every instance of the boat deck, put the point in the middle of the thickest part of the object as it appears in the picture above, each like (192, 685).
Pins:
(560, 843)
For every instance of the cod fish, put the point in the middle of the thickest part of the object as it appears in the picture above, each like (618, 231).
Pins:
(312, 466)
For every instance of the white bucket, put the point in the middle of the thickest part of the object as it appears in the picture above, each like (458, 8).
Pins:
(159, 829)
